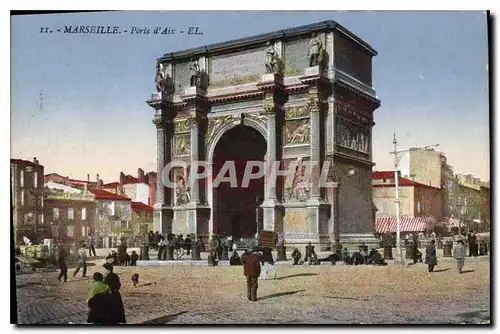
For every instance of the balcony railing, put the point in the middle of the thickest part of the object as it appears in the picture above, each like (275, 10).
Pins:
(73, 197)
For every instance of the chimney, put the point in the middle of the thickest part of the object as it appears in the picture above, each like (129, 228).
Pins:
(85, 189)
(35, 161)
(88, 178)
(140, 175)
(100, 184)
(122, 177)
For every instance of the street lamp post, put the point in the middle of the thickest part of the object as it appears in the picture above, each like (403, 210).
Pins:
(397, 157)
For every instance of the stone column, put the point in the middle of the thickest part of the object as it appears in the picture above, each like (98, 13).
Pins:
(275, 98)
(319, 209)
(164, 131)
(198, 210)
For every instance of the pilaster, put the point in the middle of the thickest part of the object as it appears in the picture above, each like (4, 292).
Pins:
(197, 210)
(275, 98)
(163, 120)
(319, 210)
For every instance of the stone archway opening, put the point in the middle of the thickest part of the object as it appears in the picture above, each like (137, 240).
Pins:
(236, 210)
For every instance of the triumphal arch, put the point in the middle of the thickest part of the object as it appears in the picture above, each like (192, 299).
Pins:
(291, 96)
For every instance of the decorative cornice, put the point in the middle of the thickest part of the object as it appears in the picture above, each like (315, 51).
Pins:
(250, 95)
(160, 104)
(357, 92)
(344, 108)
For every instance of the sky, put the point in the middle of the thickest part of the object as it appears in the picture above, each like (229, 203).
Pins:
(431, 75)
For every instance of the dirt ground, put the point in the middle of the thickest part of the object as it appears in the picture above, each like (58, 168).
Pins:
(305, 294)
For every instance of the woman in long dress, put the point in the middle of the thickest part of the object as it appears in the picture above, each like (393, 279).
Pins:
(99, 301)
(112, 280)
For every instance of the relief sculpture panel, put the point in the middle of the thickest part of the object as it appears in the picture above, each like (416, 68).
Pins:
(215, 124)
(182, 186)
(298, 190)
(181, 126)
(352, 136)
(297, 131)
(296, 111)
(182, 144)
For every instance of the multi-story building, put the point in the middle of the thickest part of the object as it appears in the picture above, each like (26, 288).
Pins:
(142, 218)
(139, 189)
(113, 217)
(416, 199)
(467, 200)
(70, 212)
(486, 209)
(27, 199)
(80, 184)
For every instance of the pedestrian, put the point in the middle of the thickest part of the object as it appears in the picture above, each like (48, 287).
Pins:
(99, 301)
(61, 262)
(251, 269)
(133, 259)
(268, 266)
(81, 261)
(459, 255)
(112, 280)
(91, 246)
(430, 255)
(188, 244)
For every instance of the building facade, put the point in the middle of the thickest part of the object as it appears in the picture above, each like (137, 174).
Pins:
(416, 199)
(27, 199)
(70, 213)
(140, 189)
(113, 217)
(298, 95)
(142, 218)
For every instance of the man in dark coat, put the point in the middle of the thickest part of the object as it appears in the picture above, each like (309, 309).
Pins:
(296, 256)
(117, 310)
(61, 256)
(430, 256)
(309, 251)
(235, 259)
(251, 269)
(187, 245)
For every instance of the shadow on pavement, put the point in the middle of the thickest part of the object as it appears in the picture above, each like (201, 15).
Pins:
(24, 285)
(297, 275)
(280, 294)
(348, 298)
(441, 270)
(467, 271)
(163, 319)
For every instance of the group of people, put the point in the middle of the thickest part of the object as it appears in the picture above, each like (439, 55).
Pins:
(62, 261)
(122, 258)
(104, 300)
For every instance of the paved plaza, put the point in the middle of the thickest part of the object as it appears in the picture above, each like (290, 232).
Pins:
(301, 294)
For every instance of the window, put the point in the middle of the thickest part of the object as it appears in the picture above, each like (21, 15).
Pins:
(84, 214)
(40, 218)
(21, 178)
(70, 231)
(85, 231)
(22, 197)
(113, 208)
(42, 202)
(418, 207)
(55, 213)
(71, 213)
(35, 179)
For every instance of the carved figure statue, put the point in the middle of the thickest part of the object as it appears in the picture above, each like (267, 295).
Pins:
(182, 190)
(273, 61)
(194, 81)
(159, 78)
(316, 51)
(164, 83)
(300, 188)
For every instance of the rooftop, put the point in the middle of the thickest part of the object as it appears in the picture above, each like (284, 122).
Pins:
(139, 206)
(403, 182)
(253, 41)
(106, 195)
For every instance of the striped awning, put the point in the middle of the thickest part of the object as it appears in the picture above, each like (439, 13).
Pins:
(452, 222)
(408, 224)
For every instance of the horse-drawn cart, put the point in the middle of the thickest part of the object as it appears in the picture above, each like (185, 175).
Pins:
(35, 257)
